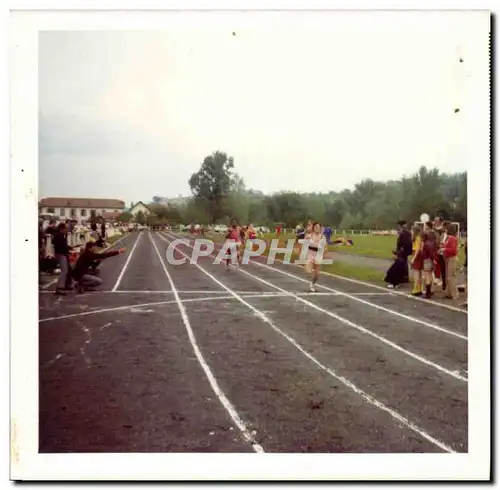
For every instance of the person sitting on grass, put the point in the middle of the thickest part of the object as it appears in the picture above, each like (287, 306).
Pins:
(88, 256)
(342, 241)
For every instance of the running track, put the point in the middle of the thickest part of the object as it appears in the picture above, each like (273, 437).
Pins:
(198, 358)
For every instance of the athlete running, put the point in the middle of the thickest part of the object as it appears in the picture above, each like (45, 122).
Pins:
(233, 237)
(252, 235)
(312, 266)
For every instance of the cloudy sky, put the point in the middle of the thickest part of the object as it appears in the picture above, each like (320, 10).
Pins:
(132, 114)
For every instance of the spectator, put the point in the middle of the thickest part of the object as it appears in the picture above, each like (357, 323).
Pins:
(398, 273)
(89, 256)
(450, 255)
(61, 253)
(404, 246)
(51, 228)
(429, 248)
(417, 261)
(41, 239)
(465, 270)
(300, 232)
(328, 234)
(443, 236)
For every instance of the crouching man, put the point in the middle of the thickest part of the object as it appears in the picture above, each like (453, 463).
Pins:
(80, 274)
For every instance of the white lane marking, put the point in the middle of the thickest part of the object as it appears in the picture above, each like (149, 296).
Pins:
(158, 303)
(211, 378)
(211, 291)
(128, 307)
(351, 324)
(374, 286)
(368, 398)
(46, 286)
(127, 262)
(399, 293)
(299, 293)
(106, 326)
(52, 361)
(368, 303)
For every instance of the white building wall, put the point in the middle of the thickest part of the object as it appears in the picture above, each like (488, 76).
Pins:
(66, 212)
(139, 207)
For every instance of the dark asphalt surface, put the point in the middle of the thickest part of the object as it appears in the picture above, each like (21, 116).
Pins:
(118, 372)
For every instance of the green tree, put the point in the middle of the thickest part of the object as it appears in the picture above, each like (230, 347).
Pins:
(173, 215)
(288, 208)
(213, 183)
(140, 218)
(196, 213)
(153, 219)
(125, 217)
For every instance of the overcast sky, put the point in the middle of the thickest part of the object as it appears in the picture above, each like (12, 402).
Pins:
(131, 114)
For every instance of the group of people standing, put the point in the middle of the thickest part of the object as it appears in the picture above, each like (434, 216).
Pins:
(239, 235)
(432, 251)
(84, 268)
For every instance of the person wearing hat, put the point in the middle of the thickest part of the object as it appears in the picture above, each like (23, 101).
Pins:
(398, 272)
(404, 246)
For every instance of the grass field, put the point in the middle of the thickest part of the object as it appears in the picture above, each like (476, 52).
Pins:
(380, 247)
(367, 245)
(360, 272)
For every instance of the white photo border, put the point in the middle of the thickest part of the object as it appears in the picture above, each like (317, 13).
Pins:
(26, 462)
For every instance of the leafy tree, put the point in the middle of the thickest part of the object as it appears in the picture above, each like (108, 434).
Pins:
(220, 195)
(125, 217)
(153, 219)
(288, 208)
(140, 218)
(213, 183)
(173, 215)
(196, 213)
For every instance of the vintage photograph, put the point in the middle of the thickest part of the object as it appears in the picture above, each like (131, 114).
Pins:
(255, 239)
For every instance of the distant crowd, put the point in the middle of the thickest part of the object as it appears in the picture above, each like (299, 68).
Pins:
(77, 264)
(431, 252)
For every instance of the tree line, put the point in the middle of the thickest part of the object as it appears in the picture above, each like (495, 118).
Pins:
(219, 194)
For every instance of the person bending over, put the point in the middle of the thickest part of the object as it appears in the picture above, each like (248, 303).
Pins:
(89, 255)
